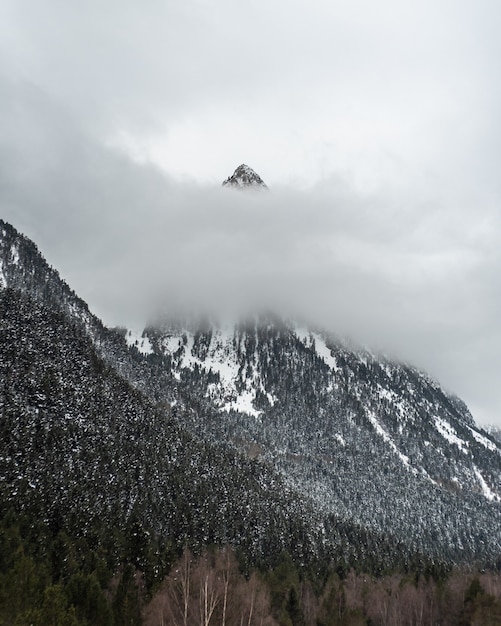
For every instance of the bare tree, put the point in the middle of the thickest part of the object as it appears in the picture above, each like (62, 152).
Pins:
(209, 589)
(355, 590)
(309, 603)
(171, 604)
(226, 567)
(176, 592)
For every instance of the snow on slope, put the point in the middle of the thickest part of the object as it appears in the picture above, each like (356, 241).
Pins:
(486, 490)
(448, 433)
(3, 280)
(244, 177)
(139, 341)
(382, 433)
(14, 252)
(262, 371)
(484, 441)
(233, 391)
(316, 341)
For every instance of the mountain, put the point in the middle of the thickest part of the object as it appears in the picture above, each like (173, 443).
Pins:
(25, 270)
(244, 177)
(263, 433)
(98, 448)
(377, 442)
(82, 443)
(81, 448)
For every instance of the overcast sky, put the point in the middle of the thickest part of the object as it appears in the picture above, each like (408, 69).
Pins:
(376, 125)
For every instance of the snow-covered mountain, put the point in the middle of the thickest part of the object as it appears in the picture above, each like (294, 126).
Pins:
(370, 445)
(244, 177)
(24, 269)
(90, 448)
(377, 442)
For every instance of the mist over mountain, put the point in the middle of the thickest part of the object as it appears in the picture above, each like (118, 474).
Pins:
(340, 425)
(260, 434)
(411, 274)
(250, 395)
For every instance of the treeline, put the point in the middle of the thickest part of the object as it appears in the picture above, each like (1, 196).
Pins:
(55, 580)
(210, 589)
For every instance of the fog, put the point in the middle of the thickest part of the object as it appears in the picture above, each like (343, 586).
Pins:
(376, 127)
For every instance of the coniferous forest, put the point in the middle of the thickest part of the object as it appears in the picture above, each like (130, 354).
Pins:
(128, 497)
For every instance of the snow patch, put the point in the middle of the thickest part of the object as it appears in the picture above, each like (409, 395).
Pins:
(14, 253)
(382, 433)
(401, 407)
(243, 403)
(172, 344)
(386, 394)
(271, 399)
(309, 339)
(484, 441)
(221, 358)
(304, 336)
(136, 339)
(3, 280)
(486, 491)
(448, 433)
(405, 459)
(324, 352)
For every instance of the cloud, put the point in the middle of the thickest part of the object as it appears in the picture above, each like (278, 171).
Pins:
(416, 277)
(382, 93)
(376, 127)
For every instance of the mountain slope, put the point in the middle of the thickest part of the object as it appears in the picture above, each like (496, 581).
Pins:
(80, 447)
(24, 269)
(378, 442)
(95, 459)
(375, 448)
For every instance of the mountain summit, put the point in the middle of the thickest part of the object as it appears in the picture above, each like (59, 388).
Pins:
(244, 177)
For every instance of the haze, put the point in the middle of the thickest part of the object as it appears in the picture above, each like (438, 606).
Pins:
(375, 125)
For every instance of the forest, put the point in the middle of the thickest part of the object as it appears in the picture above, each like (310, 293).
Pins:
(125, 500)
(63, 581)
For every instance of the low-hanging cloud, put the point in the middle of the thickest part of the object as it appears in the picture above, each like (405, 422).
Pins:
(401, 100)
(417, 277)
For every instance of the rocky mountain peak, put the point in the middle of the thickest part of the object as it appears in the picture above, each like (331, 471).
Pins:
(244, 177)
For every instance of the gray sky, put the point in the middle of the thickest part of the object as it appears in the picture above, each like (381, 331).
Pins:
(375, 124)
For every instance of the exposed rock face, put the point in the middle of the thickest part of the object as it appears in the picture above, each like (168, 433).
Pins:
(244, 177)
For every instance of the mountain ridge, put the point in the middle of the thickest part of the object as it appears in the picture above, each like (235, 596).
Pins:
(372, 444)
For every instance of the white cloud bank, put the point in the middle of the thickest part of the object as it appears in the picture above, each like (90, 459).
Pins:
(375, 125)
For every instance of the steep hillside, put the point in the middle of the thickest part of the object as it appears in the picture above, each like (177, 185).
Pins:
(378, 442)
(84, 450)
(24, 269)
(89, 455)
(375, 448)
